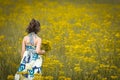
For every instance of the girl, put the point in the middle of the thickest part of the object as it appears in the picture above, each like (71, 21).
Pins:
(31, 53)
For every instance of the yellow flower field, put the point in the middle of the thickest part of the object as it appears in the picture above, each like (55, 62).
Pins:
(84, 38)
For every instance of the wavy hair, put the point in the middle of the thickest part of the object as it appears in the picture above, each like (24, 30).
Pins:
(34, 26)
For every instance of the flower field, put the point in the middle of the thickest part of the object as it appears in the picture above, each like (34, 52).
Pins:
(84, 38)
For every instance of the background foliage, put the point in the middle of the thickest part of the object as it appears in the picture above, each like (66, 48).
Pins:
(84, 37)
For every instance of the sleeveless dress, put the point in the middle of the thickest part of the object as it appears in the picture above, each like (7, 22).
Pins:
(30, 63)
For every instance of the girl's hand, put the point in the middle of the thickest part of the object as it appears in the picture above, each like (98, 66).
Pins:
(43, 51)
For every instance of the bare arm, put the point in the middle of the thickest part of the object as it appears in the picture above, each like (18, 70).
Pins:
(38, 48)
(23, 47)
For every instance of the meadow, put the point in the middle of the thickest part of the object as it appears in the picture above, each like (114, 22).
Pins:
(84, 38)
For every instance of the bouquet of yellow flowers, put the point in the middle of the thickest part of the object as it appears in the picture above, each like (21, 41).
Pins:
(46, 45)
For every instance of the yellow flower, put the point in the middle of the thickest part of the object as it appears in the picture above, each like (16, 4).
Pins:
(114, 67)
(10, 77)
(68, 79)
(95, 71)
(117, 34)
(48, 77)
(61, 78)
(114, 77)
(38, 77)
(2, 37)
(46, 45)
(77, 69)
(104, 78)
(61, 72)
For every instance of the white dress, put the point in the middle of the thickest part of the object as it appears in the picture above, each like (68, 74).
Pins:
(31, 62)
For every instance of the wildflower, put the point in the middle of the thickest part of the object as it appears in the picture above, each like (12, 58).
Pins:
(68, 79)
(2, 37)
(104, 78)
(95, 71)
(77, 69)
(61, 72)
(61, 78)
(48, 77)
(114, 67)
(46, 45)
(114, 77)
(10, 77)
(117, 34)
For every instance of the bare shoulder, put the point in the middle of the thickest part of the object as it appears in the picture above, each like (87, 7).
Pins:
(38, 38)
(25, 37)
